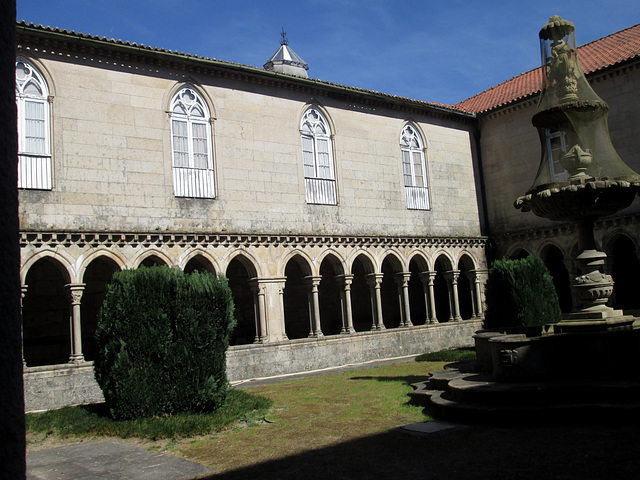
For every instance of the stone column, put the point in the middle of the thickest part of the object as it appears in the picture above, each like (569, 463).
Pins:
(432, 298)
(314, 306)
(258, 290)
(452, 280)
(477, 293)
(345, 300)
(256, 314)
(75, 291)
(424, 278)
(374, 280)
(402, 280)
(23, 292)
(281, 285)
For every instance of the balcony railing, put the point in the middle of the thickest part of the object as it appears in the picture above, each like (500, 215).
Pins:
(193, 182)
(321, 191)
(417, 198)
(34, 172)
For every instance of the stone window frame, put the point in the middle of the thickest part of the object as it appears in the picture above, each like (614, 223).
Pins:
(192, 148)
(317, 157)
(35, 166)
(416, 186)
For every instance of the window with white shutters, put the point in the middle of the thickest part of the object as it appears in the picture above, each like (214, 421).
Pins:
(193, 174)
(34, 128)
(414, 169)
(320, 183)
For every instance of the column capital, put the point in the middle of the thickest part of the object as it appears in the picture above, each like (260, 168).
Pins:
(75, 291)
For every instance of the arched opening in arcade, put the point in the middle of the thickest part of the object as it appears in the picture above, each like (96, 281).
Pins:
(465, 287)
(45, 314)
(96, 278)
(624, 270)
(198, 263)
(442, 268)
(297, 315)
(330, 293)
(391, 291)
(239, 274)
(418, 293)
(361, 299)
(554, 261)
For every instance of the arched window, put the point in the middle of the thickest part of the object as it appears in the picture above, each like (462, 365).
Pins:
(317, 156)
(34, 127)
(191, 145)
(414, 169)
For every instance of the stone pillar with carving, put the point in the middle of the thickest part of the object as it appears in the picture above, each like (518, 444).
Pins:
(452, 281)
(477, 287)
(432, 298)
(75, 291)
(374, 281)
(314, 306)
(402, 281)
(259, 292)
(281, 282)
(345, 300)
(23, 292)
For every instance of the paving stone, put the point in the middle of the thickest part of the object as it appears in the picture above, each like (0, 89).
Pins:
(109, 460)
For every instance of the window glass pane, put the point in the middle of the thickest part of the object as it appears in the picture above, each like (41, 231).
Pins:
(180, 143)
(324, 161)
(406, 168)
(200, 147)
(34, 135)
(308, 157)
(417, 169)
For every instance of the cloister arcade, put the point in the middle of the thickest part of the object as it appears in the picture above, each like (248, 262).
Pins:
(298, 292)
(622, 262)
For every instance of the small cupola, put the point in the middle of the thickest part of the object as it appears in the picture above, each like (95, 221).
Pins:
(286, 60)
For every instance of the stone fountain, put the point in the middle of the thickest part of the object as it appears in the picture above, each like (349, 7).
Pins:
(587, 360)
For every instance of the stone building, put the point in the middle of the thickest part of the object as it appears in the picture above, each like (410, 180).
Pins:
(510, 154)
(352, 225)
(346, 221)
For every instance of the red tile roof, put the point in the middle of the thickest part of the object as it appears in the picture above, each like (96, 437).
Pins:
(597, 55)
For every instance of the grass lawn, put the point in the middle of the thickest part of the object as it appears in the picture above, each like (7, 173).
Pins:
(339, 426)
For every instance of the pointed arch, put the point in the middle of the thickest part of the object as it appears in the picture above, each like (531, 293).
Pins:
(414, 168)
(35, 167)
(191, 144)
(151, 257)
(45, 312)
(198, 259)
(317, 157)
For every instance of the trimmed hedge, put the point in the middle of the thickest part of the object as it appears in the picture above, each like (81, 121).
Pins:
(520, 293)
(162, 337)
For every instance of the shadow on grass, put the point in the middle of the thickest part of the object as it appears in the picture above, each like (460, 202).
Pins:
(569, 453)
(406, 380)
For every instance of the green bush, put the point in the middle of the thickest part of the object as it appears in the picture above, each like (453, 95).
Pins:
(162, 337)
(520, 293)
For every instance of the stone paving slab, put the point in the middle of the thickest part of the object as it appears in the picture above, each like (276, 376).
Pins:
(427, 428)
(110, 459)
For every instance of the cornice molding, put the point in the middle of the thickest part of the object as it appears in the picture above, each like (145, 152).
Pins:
(59, 43)
(67, 238)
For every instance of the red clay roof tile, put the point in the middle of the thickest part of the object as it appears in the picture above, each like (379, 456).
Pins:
(597, 55)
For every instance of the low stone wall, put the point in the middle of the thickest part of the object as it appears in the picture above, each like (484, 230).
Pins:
(57, 386)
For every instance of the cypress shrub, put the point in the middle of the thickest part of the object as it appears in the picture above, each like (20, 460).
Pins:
(162, 337)
(520, 293)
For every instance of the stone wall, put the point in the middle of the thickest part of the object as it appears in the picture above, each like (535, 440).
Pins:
(511, 148)
(112, 157)
(56, 386)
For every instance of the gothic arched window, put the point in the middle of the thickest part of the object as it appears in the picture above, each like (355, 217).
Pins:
(414, 169)
(191, 145)
(317, 158)
(34, 127)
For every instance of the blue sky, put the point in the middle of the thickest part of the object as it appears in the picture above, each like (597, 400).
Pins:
(437, 51)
